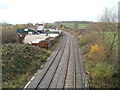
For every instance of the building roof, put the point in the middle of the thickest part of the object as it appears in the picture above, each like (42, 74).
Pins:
(26, 30)
(29, 39)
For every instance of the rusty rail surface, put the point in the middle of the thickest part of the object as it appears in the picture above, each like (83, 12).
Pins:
(63, 68)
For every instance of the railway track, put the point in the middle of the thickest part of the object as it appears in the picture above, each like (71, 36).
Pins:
(63, 68)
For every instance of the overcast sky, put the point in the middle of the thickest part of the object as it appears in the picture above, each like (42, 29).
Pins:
(38, 11)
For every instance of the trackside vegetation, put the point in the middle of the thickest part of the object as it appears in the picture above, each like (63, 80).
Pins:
(100, 55)
(19, 62)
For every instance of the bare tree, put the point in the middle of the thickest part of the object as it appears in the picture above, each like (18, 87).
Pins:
(76, 25)
(109, 24)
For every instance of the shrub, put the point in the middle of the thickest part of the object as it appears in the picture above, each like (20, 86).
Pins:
(89, 38)
(9, 36)
(102, 75)
(20, 61)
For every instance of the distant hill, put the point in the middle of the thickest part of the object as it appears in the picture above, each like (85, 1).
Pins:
(84, 22)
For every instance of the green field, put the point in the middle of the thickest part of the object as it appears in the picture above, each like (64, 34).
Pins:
(73, 25)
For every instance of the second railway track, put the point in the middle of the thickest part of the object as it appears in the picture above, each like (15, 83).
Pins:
(63, 68)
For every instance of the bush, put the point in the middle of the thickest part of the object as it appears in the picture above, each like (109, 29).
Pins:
(9, 36)
(103, 70)
(20, 61)
(102, 75)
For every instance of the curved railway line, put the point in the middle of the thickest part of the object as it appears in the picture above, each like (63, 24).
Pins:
(63, 69)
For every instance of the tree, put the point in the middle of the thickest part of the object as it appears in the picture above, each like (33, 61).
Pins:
(30, 25)
(108, 20)
(76, 25)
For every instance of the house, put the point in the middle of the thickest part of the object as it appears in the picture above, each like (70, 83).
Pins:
(40, 27)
